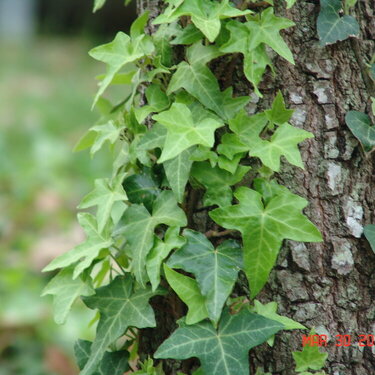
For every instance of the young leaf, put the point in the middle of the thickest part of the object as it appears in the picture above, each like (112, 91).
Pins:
(188, 35)
(332, 27)
(153, 138)
(98, 4)
(187, 289)
(263, 229)
(278, 114)
(215, 269)
(205, 14)
(290, 3)
(105, 194)
(87, 251)
(113, 363)
(217, 182)
(140, 225)
(160, 250)
(121, 51)
(65, 290)
(223, 351)
(360, 125)
(177, 171)
(119, 309)
(106, 132)
(369, 232)
(183, 132)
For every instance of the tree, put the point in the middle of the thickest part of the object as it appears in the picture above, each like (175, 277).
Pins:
(327, 285)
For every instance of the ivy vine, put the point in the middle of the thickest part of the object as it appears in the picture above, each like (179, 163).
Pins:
(175, 134)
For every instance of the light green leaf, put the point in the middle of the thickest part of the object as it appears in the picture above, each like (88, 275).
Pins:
(85, 252)
(205, 14)
(263, 229)
(119, 309)
(230, 165)
(223, 351)
(217, 182)
(177, 171)
(187, 289)
(290, 3)
(332, 27)
(162, 42)
(153, 138)
(65, 290)
(121, 51)
(183, 132)
(138, 26)
(360, 125)
(98, 4)
(283, 142)
(105, 194)
(188, 35)
(369, 232)
(278, 114)
(215, 269)
(113, 363)
(232, 145)
(160, 250)
(309, 358)
(140, 225)
(107, 132)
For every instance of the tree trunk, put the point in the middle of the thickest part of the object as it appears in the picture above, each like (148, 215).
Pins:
(329, 285)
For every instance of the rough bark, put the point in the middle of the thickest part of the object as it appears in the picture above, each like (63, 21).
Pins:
(330, 285)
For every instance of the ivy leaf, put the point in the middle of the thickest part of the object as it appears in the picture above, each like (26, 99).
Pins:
(202, 153)
(183, 132)
(157, 101)
(263, 229)
(187, 289)
(215, 269)
(121, 51)
(205, 14)
(309, 358)
(283, 142)
(119, 309)
(65, 291)
(360, 125)
(163, 44)
(332, 27)
(228, 164)
(369, 232)
(142, 189)
(106, 132)
(177, 171)
(278, 114)
(140, 225)
(231, 145)
(217, 182)
(98, 4)
(153, 138)
(105, 194)
(85, 252)
(113, 363)
(160, 250)
(233, 105)
(223, 351)
(188, 35)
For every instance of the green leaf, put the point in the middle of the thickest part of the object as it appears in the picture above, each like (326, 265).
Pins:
(223, 351)
(188, 35)
(107, 132)
(215, 269)
(177, 171)
(183, 132)
(85, 252)
(65, 290)
(113, 363)
(157, 101)
(105, 194)
(332, 27)
(202, 153)
(119, 309)
(233, 105)
(309, 358)
(153, 138)
(162, 43)
(205, 14)
(228, 164)
(283, 142)
(121, 51)
(98, 4)
(138, 26)
(142, 189)
(369, 232)
(217, 182)
(360, 125)
(188, 291)
(290, 3)
(160, 250)
(140, 225)
(278, 114)
(263, 229)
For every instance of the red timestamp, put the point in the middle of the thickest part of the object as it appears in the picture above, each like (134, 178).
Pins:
(341, 340)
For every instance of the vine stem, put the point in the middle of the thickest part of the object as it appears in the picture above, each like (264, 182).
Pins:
(214, 233)
(116, 261)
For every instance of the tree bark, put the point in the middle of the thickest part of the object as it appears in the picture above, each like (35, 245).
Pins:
(329, 285)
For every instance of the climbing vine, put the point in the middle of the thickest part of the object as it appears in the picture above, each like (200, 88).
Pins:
(185, 149)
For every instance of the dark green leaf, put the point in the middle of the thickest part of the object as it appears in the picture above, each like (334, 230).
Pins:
(369, 231)
(278, 114)
(360, 125)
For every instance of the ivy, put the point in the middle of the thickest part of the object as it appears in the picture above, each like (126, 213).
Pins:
(183, 146)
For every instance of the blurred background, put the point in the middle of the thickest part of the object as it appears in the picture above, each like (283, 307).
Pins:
(47, 84)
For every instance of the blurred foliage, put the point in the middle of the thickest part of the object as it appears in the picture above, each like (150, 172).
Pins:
(46, 89)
